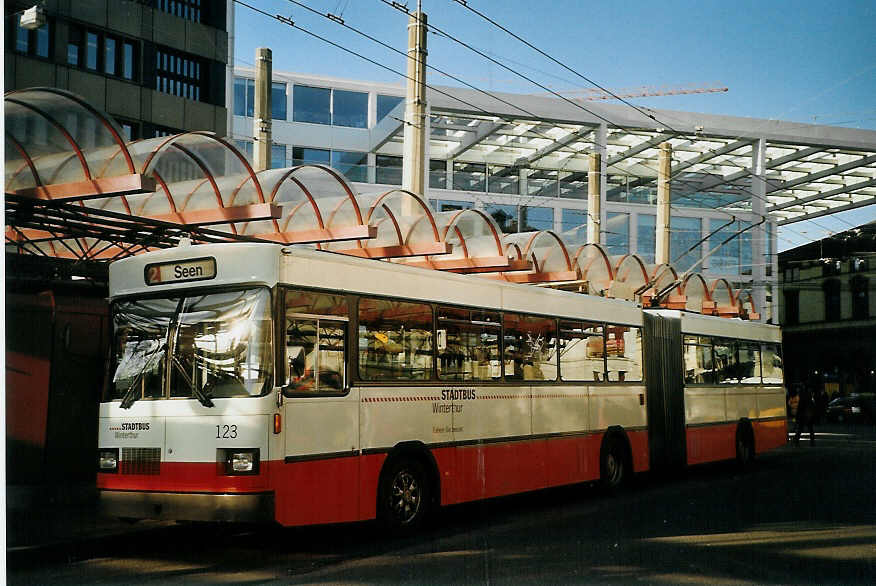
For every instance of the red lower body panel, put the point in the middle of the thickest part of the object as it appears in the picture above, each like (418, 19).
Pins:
(711, 443)
(770, 434)
(345, 489)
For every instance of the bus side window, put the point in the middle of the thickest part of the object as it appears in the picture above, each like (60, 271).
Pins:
(623, 350)
(582, 351)
(316, 342)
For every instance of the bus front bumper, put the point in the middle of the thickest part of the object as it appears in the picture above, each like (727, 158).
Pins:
(239, 508)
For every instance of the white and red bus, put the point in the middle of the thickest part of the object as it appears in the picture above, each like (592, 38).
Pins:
(262, 382)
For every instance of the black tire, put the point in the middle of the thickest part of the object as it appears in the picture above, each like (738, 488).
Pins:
(744, 446)
(613, 465)
(404, 496)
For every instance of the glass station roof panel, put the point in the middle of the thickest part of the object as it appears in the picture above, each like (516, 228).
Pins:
(548, 249)
(722, 293)
(472, 233)
(593, 265)
(696, 291)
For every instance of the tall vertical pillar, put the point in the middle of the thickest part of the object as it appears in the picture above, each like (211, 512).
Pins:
(759, 248)
(601, 145)
(664, 168)
(261, 151)
(414, 159)
(594, 201)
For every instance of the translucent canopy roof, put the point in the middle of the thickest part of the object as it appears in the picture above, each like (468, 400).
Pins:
(630, 275)
(594, 267)
(76, 189)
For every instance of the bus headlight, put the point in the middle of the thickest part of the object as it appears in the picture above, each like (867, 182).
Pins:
(108, 460)
(242, 462)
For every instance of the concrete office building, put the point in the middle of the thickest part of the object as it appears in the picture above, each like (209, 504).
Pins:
(524, 160)
(159, 67)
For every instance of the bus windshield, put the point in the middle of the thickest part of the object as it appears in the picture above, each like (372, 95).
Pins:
(203, 346)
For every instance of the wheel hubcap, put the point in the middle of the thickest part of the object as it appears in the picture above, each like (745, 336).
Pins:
(613, 469)
(405, 495)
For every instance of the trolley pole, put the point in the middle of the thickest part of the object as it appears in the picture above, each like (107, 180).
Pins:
(663, 194)
(414, 160)
(262, 116)
(594, 200)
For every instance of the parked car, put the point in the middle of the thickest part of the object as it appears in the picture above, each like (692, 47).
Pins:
(858, 408)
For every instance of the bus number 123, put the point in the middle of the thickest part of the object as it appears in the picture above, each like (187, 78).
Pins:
(226, 431)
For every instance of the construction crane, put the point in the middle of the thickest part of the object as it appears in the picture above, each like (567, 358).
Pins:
(593, 94)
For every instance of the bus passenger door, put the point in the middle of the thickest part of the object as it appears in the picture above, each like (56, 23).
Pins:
(321, 423)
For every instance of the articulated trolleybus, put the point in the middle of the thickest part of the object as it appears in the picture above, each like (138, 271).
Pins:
(262, 382)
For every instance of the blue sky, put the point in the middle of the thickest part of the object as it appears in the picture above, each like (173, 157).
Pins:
(802, 61)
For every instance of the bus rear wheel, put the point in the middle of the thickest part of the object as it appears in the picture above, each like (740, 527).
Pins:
(613, 468)
(404, 496)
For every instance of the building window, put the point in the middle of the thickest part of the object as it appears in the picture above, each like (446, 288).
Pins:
(354, 165)
(574, 222)
(617, 233)
(180, 74)
(832, 301)
(308, 156)
(278, 100)
(646, 236)
(437, 174)
(327, 106)
(505, 216)
(860, 298)
(32, 42)
(188, 9)
(536, 218)
(684, 238)
(278, 156)
(573, 185)
(448, 205)
(91, 40)
(543, 182)
(244, 146)
(107, 54)
(469, 176)
(244, 96)
(311, 104)
(502, 179)
(389, 170)
(350, 109)
(385, 104)
(792, 307)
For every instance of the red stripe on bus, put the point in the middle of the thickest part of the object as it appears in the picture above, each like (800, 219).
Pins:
(711, 443)
(188, 477)
(770, 434)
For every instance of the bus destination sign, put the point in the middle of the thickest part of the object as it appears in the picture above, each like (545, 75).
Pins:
(198, 269)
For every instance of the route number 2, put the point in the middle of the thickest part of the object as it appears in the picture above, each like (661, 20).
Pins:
(226, 431)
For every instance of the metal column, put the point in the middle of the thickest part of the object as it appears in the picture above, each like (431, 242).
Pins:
(661, 254)
(414, 160)
(261, 152)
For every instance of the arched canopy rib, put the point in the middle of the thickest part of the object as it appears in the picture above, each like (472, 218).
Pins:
(696, 291)
(630, 275)
(721, 293)
(550, 258)
(745, 303)
(661, 277)
(318, 206)
(476, 242)
(594, 267)
(405, 227)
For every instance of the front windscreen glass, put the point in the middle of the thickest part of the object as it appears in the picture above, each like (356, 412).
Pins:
(205, 346)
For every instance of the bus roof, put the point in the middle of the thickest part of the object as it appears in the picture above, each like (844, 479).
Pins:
(708, 325)
(268, 264)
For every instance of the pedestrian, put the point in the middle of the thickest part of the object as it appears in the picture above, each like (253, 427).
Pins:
(805, 415)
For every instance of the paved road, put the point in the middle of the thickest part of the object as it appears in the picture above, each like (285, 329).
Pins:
(801, 515)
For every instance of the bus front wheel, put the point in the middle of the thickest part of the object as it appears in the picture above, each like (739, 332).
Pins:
(404, 495)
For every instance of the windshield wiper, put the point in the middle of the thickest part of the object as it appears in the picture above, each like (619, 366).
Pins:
(198, 393)
(130, 396)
